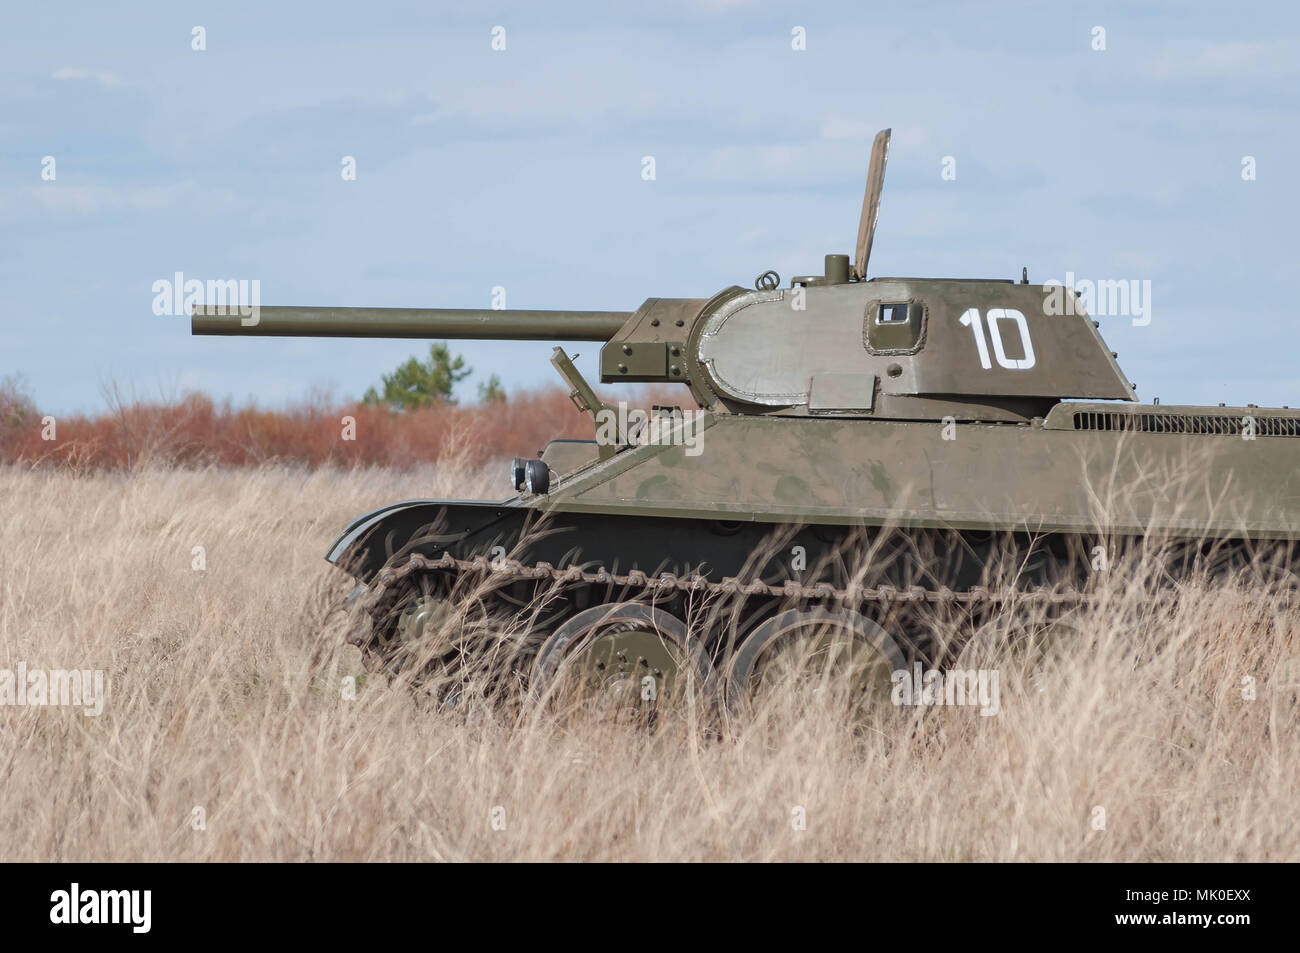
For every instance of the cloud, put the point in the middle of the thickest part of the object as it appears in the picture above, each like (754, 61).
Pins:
(839, 127)
(37, 203)
(106, 79)
(1263, 61)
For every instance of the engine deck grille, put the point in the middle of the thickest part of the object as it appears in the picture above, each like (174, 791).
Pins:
(1209, 424)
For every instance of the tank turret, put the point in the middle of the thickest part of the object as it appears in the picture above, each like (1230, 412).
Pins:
(837, 344)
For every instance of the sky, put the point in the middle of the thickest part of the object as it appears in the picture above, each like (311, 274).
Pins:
(1163, 149)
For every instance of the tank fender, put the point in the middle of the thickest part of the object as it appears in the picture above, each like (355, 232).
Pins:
(428, 527)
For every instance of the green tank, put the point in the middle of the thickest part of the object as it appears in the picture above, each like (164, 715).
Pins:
(860, 459)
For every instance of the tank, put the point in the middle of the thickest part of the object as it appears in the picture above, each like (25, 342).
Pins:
(857, 462)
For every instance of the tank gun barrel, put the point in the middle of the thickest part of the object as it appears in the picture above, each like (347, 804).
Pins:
(486, 324)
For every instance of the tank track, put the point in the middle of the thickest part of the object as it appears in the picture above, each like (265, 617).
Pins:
(975, 604)
(667, 582)
(388, 586)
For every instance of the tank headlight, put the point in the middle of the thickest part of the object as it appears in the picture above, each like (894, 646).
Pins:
(537, 476)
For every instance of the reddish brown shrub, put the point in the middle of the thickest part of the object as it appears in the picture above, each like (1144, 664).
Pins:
(195, 431)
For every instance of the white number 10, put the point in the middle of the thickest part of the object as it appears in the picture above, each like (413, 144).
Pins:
(971, 319)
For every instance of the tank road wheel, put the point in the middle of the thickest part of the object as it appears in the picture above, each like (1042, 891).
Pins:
(1021, 649)
(624, 656)
(445, 637)
(811, 650)
(414, 611)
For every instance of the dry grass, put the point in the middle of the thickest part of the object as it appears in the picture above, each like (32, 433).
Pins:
(225, 695)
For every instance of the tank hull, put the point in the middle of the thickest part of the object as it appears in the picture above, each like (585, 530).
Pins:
(1037, 478)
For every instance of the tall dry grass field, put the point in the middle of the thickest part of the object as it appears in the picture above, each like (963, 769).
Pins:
(226, 734)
